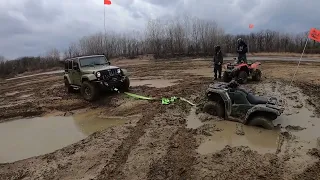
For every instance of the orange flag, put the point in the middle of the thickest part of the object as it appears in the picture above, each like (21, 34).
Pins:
(251, 26)
(107, 2)
(314, 34)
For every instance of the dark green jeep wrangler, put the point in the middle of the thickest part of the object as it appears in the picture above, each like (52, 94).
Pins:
(93, 74)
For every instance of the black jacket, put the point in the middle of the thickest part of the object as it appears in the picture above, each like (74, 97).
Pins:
(218, 58)
(242, 48)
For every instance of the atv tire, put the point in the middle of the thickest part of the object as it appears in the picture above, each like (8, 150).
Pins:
(261, 121)
(89, 91)
(214, 108)
(257, 75)
(69, 88)
(242, 77)
(125, 85)
(226, 77)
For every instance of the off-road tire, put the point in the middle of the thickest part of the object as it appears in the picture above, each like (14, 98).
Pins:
(69, 88)
(257, 75)
(242, 77)
(261, 121)
(226, 77)
(125, 85)
(89, 91)
(214, 108)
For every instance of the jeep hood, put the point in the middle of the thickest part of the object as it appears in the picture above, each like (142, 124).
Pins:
(97, 68)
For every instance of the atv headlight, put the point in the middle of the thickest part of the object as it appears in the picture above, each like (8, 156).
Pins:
(118, 71)
(98, 74)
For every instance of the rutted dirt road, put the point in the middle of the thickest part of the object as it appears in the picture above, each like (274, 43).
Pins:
(169, 141)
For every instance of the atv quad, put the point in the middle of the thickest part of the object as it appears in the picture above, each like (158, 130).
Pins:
(242, 71)
(230, 102)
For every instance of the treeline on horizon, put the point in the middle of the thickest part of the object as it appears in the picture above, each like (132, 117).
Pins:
(176, 37)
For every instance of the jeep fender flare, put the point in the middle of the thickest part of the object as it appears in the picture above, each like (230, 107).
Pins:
(88, 77)
(125, 72)
(260, 110)
(66, 76)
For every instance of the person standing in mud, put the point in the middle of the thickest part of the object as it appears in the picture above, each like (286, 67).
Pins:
(242, 50)
(217, 61)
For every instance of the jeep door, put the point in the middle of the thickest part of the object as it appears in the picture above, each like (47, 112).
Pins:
(75, 73)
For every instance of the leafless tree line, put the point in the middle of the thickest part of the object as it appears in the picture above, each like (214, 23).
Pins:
(180, 36)
(185, 36)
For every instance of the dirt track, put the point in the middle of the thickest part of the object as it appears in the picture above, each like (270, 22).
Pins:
(161, 142)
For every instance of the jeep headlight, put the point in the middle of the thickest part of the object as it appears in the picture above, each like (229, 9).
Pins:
(98, 74)
(118, 71)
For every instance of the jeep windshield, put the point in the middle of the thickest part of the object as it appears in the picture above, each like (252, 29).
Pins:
(93, 61)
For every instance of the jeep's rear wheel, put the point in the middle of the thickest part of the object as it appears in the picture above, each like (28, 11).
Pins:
(69, 88)
(89, 91)
(214, 108)
(261, 121)
(257, 75)
(226, 77)
(242, 77)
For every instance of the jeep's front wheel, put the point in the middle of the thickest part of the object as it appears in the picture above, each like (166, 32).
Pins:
(89, 91)
(214, 108)
(69, 88)
(125, 85)
(261, 121)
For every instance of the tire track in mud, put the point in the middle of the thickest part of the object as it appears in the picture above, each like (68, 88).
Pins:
(113, 168)
(177, 164)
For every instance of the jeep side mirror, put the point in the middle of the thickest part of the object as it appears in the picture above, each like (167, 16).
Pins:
(109, 62)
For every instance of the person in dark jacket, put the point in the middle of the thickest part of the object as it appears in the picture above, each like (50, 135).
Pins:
(242, 50)
(217, 61)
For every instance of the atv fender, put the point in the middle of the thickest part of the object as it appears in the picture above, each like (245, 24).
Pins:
(222, 97)
(255, 65)
(66, 76)
(261, 110)
(88, 77)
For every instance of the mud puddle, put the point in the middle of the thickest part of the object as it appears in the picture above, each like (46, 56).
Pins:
(298, 117)
(157, 83)
(24, 138)
(260, 140)
(192, 120)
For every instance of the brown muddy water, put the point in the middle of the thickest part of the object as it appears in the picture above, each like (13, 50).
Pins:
(297, 132)
(257, 139)
(24, 138)
(157, 83)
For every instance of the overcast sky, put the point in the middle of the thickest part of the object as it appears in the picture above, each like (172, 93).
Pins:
(31, 27)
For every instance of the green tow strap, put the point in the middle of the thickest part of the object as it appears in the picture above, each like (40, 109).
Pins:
(164, 101)
(139, 97)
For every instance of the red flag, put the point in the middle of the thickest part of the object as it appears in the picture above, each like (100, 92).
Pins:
(314, 34)
(251, 26)
(107, 2)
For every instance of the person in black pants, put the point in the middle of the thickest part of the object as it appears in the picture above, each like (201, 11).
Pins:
(242, 50)
(217, 61)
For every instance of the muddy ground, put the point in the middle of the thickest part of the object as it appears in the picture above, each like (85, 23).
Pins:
(171, 141)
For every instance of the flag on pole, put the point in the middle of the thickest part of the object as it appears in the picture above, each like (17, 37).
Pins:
(251, 26)
(107, 2)
(314, 34)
